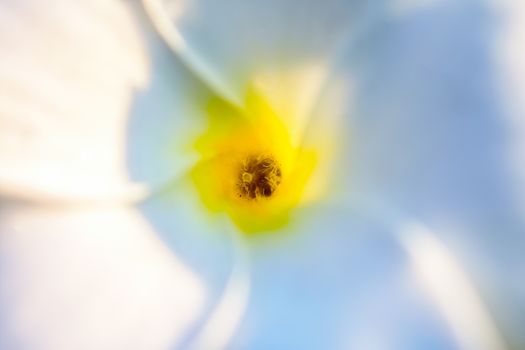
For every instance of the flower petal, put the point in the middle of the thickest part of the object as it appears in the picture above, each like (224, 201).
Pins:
(213, 250)
(80, 278)
(341, 281)
(67, 77)
(93, 105)
(427, 133)
(283, 48)
(315, 284)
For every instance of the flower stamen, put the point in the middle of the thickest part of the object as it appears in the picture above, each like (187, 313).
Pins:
(259, 177)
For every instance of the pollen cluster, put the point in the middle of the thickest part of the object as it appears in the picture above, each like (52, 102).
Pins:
(259, 177)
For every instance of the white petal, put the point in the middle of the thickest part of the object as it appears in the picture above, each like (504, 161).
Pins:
(324, 282)
(427, 133)
(67, 75)
(213, 250)
(79, 278)
(283, 48)
(91, 102)
(340, 281)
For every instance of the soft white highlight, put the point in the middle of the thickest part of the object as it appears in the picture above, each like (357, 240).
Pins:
(220, 327)
(91, 279)
(441, 275)
(68, 73)
(510, 56)
(167, 27)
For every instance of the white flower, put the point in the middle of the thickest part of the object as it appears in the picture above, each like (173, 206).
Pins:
(408, 234)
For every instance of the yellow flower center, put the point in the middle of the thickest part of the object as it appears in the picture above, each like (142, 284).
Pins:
(249, 168)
